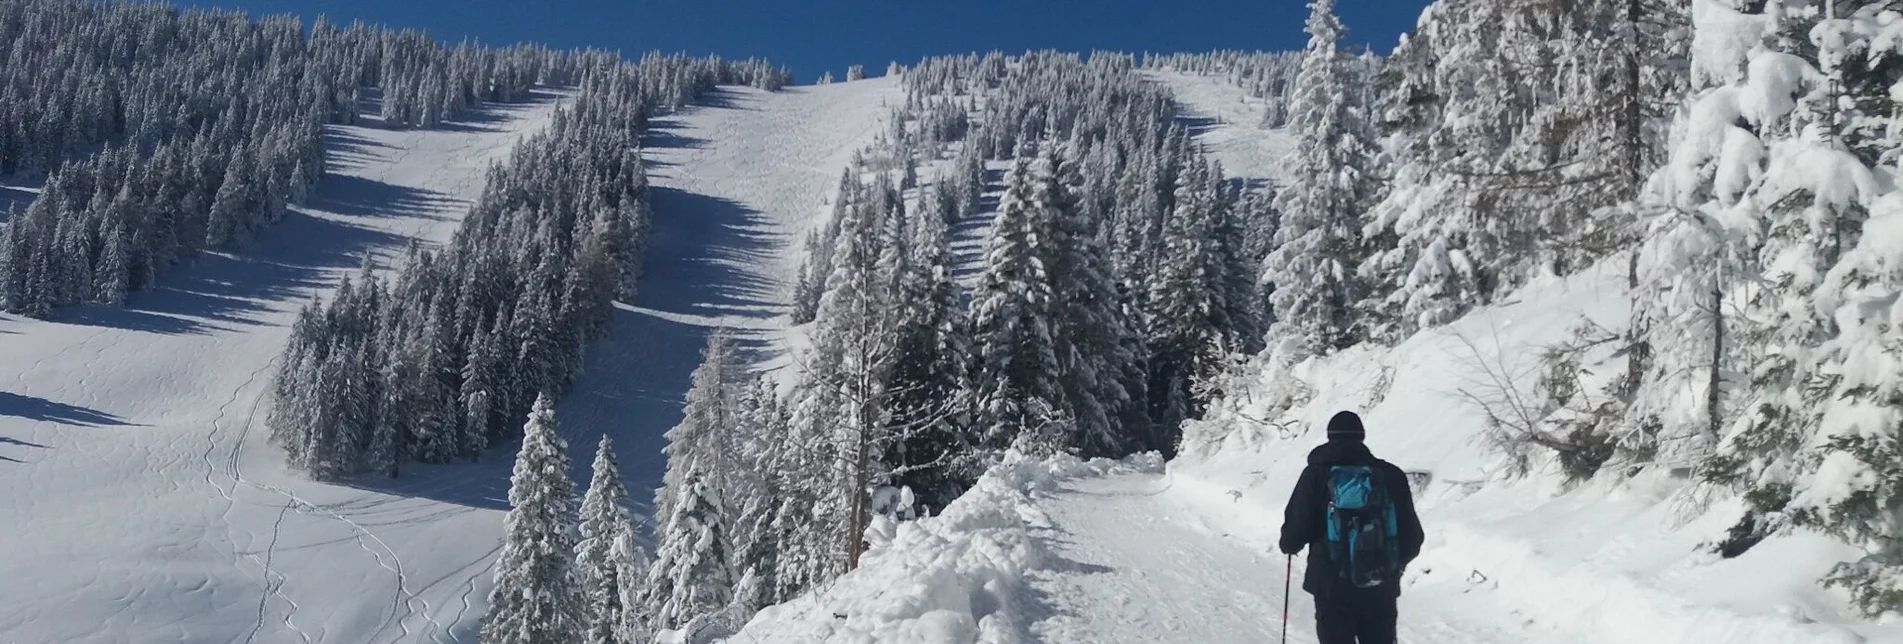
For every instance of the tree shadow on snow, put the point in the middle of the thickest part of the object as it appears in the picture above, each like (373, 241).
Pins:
(492, 117)
(1253, 184)
(634, 380)
(362, 197)
(345, 149)
(1037, 604)
(278, 271)
(1197, 125)
(482, 484)
(42, 410)
(699, 253)
(6, 441)
(723, 98)
(664, 134)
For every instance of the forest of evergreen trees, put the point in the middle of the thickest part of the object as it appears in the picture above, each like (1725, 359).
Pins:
(1123, 277)
(436, 363)
(1732, 162)
(161, 132)
(1118, 281)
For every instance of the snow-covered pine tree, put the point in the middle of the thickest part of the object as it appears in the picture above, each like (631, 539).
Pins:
(818, 266)
(1804, 266)
(1188, 324)
(690, 578)
(704, 437)
(1100, 368)
(1496, 180)
(536, 599)
(854, 354)
(1314, 266)
(928, 442)
(606, 525)
(1012, 309)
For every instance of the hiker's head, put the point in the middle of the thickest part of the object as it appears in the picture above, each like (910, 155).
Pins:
(1346, 426)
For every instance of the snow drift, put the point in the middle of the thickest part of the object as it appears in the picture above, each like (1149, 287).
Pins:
(956, 578)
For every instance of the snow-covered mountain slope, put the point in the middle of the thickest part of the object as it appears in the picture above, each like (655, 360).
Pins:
(143, 502)
(132, 446)
(1224, 120)
(737, 181)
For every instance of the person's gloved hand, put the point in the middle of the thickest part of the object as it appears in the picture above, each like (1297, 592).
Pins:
(1290, 551)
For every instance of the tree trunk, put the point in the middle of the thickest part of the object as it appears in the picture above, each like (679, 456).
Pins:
(1714, 393)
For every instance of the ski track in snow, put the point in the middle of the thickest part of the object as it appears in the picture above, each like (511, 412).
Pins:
(130, 441)
(1136, 561)
(218, 543)
(152, 508)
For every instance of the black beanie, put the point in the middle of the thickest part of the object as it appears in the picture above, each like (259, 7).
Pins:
(1346, 426)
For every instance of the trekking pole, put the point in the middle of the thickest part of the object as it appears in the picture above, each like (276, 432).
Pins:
(1288, 582)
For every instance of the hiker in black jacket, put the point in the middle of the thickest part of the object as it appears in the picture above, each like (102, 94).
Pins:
(1346, 613)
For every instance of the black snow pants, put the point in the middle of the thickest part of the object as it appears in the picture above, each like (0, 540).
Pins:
(1355, 615)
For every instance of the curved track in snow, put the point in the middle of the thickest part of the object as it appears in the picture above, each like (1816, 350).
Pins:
(146, 502)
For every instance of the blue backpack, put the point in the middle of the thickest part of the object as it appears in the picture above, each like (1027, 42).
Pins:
(1364, 539)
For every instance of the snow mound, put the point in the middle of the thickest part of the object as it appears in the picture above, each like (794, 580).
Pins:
(954, 578)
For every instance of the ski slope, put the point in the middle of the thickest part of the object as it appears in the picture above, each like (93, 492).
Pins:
(132, 449)
(736, 183)
(143, 501)
(1225, 120)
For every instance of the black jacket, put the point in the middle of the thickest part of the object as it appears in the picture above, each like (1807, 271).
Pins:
(1303, 523)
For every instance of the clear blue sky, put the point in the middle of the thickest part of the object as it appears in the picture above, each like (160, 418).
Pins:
(816, 35)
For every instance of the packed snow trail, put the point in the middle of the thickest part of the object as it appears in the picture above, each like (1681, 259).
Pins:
(1133, 560)
(736, 182)
(143, 500)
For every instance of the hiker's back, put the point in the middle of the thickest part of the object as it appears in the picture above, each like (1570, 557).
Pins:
(1361, 531)
(1355, 516)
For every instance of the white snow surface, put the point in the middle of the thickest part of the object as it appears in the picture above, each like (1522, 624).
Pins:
(736, 183)
(1227, 122)
(143, 501)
